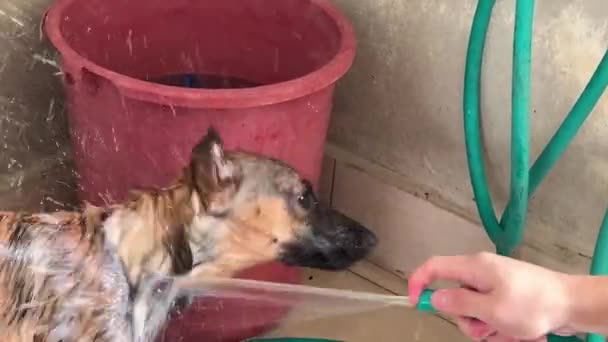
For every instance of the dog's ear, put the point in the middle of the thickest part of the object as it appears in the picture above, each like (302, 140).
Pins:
(210, 171)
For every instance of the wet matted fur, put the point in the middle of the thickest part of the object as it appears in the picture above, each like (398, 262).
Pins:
(95, 274)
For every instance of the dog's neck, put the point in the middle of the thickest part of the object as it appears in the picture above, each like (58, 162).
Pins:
(154, 233)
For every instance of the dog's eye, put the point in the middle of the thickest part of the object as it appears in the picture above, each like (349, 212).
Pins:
(307, 200)
(304, 201)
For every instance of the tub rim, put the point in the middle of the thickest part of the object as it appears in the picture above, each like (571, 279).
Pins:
(310, 83)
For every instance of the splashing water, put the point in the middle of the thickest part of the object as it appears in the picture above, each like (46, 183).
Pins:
(308, 303)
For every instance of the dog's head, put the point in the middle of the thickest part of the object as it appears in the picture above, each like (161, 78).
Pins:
(254, 209)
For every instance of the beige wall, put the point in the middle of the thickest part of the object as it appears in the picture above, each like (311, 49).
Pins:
(34, 172)
(401, 107)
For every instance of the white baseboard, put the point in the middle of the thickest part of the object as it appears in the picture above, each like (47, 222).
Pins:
(410, 230)
(414, 222)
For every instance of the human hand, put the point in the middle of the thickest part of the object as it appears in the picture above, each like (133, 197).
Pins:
(501, 299)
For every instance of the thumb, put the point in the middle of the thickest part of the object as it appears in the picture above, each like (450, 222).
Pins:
(461, 302)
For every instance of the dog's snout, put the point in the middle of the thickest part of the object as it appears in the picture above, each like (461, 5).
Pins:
(335, 243)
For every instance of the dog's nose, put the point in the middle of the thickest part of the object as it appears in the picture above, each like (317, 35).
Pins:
(353, 234)
(368, 239)
(361, 238)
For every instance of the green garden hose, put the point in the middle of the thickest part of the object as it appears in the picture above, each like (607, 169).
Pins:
(599, 264)
(517, 207)
(508, 233)
(472, 84)
(571, 125)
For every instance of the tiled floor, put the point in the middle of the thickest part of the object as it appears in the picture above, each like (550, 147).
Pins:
(389, 324)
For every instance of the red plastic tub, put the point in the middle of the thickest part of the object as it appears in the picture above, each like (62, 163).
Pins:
(128, 130)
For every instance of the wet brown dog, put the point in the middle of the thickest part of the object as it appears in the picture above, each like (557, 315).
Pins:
(95, 275)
